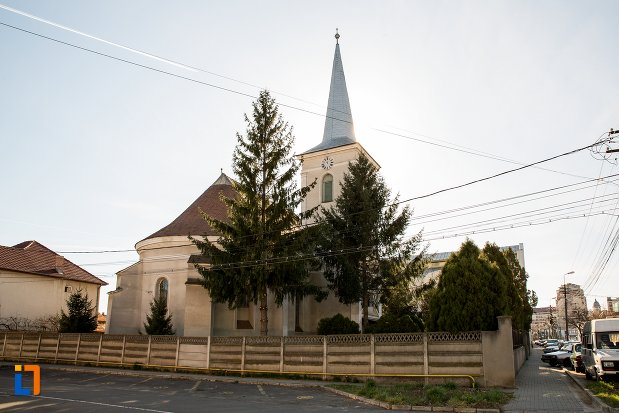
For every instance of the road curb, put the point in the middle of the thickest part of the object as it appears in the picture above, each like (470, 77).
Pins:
(405, 407)
(599, 403)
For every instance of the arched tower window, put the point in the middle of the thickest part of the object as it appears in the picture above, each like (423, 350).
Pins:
(327, 188)
(162, 290)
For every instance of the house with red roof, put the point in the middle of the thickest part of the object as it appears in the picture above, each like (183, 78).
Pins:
(35, 283)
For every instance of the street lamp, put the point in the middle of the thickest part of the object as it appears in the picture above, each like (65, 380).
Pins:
(567, 333)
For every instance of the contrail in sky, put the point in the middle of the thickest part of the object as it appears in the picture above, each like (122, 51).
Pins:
(60, 26)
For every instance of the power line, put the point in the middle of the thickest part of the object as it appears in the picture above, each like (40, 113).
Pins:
(280, 104)
(429, 215)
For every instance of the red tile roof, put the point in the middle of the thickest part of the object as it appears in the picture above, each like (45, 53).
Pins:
(190, 222)
(33, 258)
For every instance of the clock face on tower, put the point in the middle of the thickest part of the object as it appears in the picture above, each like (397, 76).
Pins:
(327, 163)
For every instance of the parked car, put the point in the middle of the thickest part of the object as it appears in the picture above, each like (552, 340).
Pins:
(551, 342)
(560, 357)
(550, 349)
(576, 359)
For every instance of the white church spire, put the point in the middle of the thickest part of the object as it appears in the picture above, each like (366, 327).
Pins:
(339, 128)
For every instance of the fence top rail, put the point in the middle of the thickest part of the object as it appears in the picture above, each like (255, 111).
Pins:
(468, 336)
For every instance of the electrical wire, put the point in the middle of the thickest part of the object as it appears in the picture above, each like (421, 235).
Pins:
(476, 153)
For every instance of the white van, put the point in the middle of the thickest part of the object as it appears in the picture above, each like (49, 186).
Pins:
(600, 348)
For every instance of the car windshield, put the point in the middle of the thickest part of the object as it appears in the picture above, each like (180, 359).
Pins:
(607, 339)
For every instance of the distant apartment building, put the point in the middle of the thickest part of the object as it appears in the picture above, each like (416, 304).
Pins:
(543, 324)
(613, 305)
(438, 260)
(576, 309)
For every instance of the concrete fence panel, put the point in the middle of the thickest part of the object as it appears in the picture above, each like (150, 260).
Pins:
(487, 355)
(226, 353)
(305, 353)
(193, 352)
(263, 353)
(399, 353)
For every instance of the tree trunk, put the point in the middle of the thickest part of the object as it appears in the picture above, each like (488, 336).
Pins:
(264, 320)
(366, 298)
(366, 304)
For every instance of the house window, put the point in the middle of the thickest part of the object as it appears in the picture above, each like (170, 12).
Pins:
(243, 316)
(162, 290)
(327, 188)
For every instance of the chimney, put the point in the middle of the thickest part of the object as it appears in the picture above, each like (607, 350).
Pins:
(59, 264)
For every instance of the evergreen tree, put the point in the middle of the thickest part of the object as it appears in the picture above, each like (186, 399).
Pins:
(519, 299)
(82, 317)
(471, 293)
(369, 229)
(159, 322)
(258, 245)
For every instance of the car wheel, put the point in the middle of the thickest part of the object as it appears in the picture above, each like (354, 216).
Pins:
(587, 375)
(568, 363)
(553, 363)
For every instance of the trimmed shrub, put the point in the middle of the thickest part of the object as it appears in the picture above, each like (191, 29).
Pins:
(338, 324)
(391, 323)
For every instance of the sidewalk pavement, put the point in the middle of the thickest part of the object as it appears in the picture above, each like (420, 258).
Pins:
(541, 388)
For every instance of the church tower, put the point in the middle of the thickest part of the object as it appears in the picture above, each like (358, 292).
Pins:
(327, 162)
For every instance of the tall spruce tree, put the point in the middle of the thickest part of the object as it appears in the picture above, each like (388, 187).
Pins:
(470, 294)
(158, 322)
(259, 249)
(82, 317)
(368, 229)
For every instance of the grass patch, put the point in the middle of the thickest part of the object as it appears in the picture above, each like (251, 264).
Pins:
(418, 394)
(608, 392)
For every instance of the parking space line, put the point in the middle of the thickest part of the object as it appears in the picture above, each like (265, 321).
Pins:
(261, 390)
(140, 382)
(143, 409)
(195, 386)
(94, 378)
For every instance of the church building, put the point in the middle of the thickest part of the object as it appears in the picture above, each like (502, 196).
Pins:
(166, 267)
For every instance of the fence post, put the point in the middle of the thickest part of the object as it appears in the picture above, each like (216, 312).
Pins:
(57, 347)
(77, 350)
(148, 351)
(178, 348)
(99, 351)
(324, 357)
(122, 353)
(426, 357)
(372, 355)
(208, 353)
(281, 355)
(36, 357)
(243, 354)
(21, 345)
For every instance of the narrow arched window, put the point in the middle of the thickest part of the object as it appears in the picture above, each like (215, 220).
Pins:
(162, 290)
(327, 188)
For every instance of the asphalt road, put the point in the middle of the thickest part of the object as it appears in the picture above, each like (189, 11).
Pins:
(67, 391)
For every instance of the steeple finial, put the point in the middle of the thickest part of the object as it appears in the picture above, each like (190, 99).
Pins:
(337, 37)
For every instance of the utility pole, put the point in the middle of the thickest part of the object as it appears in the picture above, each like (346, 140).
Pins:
(567, 331)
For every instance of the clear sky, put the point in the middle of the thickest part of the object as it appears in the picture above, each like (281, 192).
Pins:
(97, 154)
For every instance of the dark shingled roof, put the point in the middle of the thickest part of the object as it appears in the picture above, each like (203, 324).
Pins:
(34, 258)
(190, 222)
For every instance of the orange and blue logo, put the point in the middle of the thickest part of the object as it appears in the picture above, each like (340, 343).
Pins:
(36, 380)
